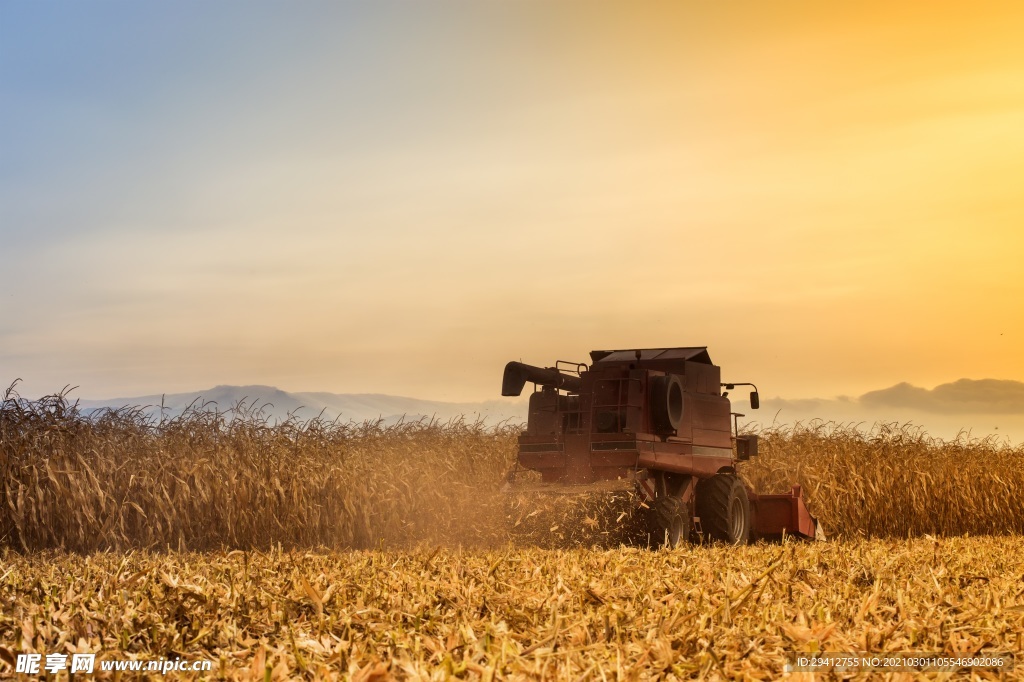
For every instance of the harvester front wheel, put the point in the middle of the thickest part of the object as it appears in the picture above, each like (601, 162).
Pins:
(724, 509)
(668, 524)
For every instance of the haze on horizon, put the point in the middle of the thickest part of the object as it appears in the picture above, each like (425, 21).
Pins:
(398, 198)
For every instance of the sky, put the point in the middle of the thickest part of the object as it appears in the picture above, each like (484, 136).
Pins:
(398, 197)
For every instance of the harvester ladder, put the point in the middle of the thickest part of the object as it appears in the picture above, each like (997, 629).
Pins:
(622, 399)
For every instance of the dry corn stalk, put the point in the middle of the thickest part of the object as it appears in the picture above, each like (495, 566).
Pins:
(210, 479)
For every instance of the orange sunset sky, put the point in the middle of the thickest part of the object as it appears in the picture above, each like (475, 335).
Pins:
(398, 198)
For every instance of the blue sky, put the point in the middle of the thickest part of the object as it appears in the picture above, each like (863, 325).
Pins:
(399, 197)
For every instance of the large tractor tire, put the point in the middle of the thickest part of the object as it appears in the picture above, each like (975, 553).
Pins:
(668, 525)
(724, 509)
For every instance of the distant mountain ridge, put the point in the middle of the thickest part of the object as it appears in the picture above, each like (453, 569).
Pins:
(277, 405)
(982, 407)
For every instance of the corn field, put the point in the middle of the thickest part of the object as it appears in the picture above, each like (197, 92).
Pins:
(372, 552)
(719, 613)
(895, 480)
(212, 479)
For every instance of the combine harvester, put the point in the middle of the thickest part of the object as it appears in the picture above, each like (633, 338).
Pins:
(651, 426)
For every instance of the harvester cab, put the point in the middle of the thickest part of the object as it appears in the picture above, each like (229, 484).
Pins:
(653, 422)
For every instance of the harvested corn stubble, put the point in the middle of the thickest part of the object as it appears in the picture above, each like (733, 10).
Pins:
(515, 613)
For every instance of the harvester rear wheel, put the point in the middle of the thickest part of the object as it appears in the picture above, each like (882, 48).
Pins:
(724, 509)
(668, 524)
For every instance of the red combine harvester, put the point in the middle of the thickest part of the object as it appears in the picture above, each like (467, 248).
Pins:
(655, 422)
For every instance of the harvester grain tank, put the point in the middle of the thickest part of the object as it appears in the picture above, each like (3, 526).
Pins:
(654, 421)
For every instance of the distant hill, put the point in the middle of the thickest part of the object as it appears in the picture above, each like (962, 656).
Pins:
(278, 404)
(980, 407)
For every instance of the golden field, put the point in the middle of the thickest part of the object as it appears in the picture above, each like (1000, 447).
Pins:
(229, 480)
(316, 550)
(515, 613)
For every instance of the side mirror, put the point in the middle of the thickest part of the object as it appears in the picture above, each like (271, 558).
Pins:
(755, 402)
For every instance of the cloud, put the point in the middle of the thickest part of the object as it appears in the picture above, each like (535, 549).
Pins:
(965, 396)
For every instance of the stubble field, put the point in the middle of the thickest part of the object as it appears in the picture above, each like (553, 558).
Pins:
(521, 613)
(319, 550)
